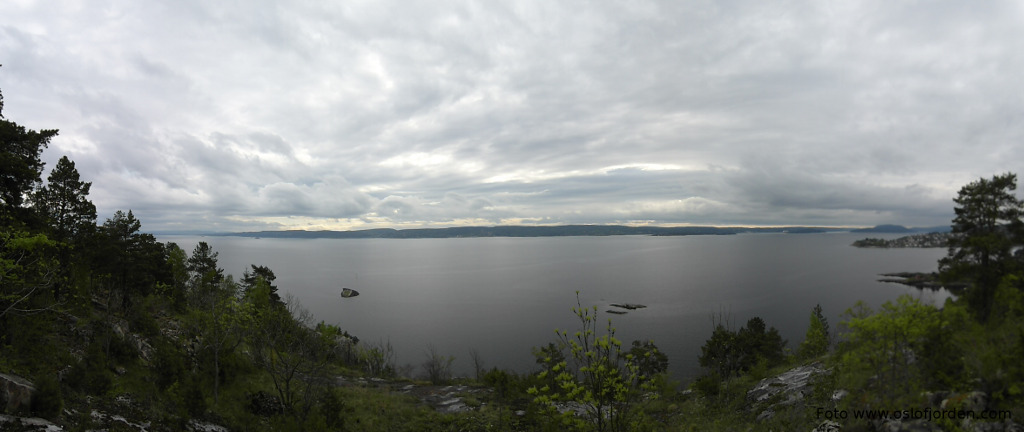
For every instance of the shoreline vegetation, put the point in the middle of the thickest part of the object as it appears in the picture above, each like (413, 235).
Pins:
(926, 240)
(559, 231)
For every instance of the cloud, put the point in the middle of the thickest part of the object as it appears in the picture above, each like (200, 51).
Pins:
(394, 114)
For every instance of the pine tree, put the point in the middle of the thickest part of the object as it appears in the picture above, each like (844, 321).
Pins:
(21, 166)
(986, 231)
(64, 205)
(64, 202)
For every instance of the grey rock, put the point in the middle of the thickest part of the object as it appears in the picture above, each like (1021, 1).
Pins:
(828, 426)
(972, 401)
(792, 385)
(765, 415)
(15, 394)
(28, 424)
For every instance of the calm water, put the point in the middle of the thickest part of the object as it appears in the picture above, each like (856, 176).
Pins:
(502, 296)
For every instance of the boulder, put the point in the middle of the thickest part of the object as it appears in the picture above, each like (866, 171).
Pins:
(348, 292)
(828, 426)
(793, 384)
(15, 394)
(788, 388)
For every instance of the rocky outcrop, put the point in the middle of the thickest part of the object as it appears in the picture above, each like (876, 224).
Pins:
(30, 424)
(788, 388)
(15, 394)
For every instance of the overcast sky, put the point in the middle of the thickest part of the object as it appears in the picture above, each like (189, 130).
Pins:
(252, 115)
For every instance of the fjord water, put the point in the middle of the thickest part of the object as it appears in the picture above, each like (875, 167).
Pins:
(503, 296)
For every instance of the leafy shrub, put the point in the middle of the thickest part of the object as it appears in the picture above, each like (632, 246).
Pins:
(47, 402)
(650, 361)
(886, 344)
(437, 367)
(602, 379)
(91, 374)
(378, 359)
(335, 410)
(141, 318)
(168, 362)
(708, 385)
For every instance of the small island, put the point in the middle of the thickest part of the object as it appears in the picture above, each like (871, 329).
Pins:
(630, 306)
(923, 280)
(626, 306)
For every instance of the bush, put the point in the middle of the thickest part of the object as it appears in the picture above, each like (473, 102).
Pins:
(437, 367)
(91, 374)
(47, 402)
(708, 385)
(334, 409)
(141, 318)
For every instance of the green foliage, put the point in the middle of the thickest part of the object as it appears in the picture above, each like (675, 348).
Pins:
(219, 325)
(603, 380)
(650, 361)
(168, 363)
(816, 342)
(20, 166)
(295, 356)
(378, 359)
(879, 350)
(437, 367)
(64, 204)
(142, 319)
(131, 261)
(987, 230)
(334, 410)
(731, 353)
(251, 281)
(188, 396)
(204, 273)
(92, 374)
(47, 402)
(27, 273)
(708, 384)
(177, 263)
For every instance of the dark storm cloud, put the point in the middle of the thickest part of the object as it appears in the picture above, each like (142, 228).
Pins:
(205, 115)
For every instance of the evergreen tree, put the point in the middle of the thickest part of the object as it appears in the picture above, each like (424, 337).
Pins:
(206, 276)
(21, 167)
(816, 342)
(133, 261)
(986, 231)
(177, 263)
(731, 353)
(64, 205)
(250, 279)
(64, 202)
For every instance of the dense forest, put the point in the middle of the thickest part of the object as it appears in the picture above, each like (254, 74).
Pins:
(104, 328)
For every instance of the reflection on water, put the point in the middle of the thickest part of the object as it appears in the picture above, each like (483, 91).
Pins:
(502, 296)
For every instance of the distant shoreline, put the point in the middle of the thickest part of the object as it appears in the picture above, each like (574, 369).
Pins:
(538, 231)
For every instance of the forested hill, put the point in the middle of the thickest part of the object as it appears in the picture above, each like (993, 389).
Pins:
(532, 231)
